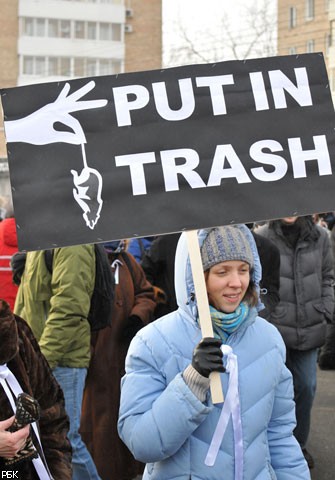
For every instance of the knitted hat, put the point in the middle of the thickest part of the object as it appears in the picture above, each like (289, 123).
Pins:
(223, 244)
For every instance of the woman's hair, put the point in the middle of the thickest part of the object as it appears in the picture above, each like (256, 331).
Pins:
(251, 295)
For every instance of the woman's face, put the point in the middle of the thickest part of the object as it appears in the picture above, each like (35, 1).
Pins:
(227, 283)
(289, 220)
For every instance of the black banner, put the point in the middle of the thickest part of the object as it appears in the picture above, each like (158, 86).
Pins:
(102, 158)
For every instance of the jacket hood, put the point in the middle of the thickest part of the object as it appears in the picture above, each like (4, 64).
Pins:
(184, 285)
(308, 230)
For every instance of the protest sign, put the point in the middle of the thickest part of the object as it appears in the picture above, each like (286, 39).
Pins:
(203, 306)
(155, 152)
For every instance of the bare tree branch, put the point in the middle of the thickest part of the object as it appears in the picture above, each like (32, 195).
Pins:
(255, 36)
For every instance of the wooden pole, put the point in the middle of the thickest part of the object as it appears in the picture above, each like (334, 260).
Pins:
(203, 306)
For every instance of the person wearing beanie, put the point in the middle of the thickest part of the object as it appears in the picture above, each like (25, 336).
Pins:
(167, 418)
(306, 306)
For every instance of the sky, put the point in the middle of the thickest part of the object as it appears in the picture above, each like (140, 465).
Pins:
(202, 22)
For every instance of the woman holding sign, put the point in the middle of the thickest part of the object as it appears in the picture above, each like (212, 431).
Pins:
(167, 418)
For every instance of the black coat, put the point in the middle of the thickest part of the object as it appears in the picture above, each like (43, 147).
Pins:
(158, 266)
(269, 256)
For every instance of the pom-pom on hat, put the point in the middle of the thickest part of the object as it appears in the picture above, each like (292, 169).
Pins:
(223, 244)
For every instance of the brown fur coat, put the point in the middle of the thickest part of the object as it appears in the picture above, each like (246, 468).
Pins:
(134, 297)
(20, 351)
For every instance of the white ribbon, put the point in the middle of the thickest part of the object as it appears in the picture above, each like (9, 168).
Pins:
(116, 265)
(231, 407)
(8, 379)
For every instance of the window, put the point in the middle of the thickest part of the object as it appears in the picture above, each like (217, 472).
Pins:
(62, 66)
(40, 27)
(79, 67)
(293, 17)
(52, 66)
(309, 9)
(34, 65)
(310, 46)
(105, 67)
(105, 31)
(116, 66)
(90, 67)
(292, 51)
(79, 29)
(116, 32)
(65, 28)
(57, 28)
(91, 30)
(40, 66)
(65, 67)
(28, 26)
(96, 1)
(109, 67)
(28, 65)
(52, 28)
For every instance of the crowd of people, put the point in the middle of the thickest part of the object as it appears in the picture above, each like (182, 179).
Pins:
(134, 397)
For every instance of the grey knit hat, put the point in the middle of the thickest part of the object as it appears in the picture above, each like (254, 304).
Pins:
(223, 244)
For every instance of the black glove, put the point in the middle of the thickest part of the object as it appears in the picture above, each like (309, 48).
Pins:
(207, 357)
(17, 263)
(131, 326)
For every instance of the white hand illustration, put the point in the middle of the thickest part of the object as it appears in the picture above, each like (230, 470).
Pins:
(38, 127)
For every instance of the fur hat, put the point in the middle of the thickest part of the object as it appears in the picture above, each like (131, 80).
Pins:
(223, 244)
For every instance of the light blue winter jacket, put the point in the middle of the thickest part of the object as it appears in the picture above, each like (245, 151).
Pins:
(165, 425)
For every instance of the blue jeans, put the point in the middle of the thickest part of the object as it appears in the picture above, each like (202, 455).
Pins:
(72, 382)
(303, 365)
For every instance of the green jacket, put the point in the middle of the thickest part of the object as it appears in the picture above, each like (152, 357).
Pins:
(56, 305)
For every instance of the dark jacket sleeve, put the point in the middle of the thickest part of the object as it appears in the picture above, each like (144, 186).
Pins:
(54, 422)
(158, 265)
(152, 262)
(269, 255)
(144, 304)
(327, 276)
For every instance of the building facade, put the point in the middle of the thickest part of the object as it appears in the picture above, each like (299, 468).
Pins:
(143, 38)
(306, 26)
(55, 40)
